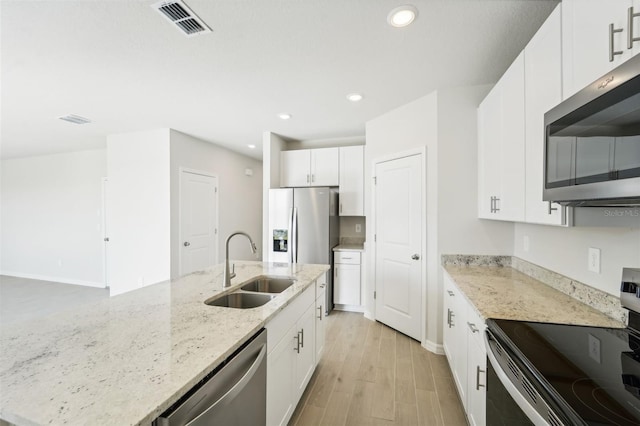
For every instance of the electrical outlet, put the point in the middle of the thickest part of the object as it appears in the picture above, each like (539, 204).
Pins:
(594, 348)
(358, 228)
(525, 243)
(594, 260)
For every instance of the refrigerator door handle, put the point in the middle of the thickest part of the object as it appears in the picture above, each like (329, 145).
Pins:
(291, 243)
(294, 236)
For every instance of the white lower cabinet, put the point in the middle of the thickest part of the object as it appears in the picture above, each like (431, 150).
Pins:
(346, 280)
(292, 356)
(464, 347)
(321, 323)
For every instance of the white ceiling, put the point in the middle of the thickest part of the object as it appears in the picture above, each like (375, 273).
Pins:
(122, 65)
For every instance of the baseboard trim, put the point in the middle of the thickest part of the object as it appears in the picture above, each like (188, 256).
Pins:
(433, 347)
(53, 279)
(348, 308)
(369, 315)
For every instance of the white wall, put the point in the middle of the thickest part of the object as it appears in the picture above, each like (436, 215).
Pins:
(51, 217)
(272, 145)
(444, 122)
(138, 209)
(564, 250)
(239, 195)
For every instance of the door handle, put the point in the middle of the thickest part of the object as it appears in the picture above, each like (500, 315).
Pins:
(187, 243)
(416, 256)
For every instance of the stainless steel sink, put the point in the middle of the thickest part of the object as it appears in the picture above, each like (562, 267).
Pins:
(268, 284)
(240, 300)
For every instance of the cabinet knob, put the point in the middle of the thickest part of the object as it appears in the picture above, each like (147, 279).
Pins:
(187, 243)
(416, 256)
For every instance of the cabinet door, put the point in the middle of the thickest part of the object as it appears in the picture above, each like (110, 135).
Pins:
(281, 380)
(325, 167)
(321, 325)
(448, 335)
(351, 181)
(510, 201)
(586, 37)
(294, 168)
(476, 383)
(346, 287)
(305, 358)
(489, 137)
(543, 91)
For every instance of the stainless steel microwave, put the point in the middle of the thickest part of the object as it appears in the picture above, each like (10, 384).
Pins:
(592, 143)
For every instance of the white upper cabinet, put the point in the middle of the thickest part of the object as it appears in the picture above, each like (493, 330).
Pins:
(595, 39)
(543, 91)
(501, 148)
(309, 167)
(352, 181)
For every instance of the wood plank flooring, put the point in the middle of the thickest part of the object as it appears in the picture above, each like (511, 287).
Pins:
(372, 375)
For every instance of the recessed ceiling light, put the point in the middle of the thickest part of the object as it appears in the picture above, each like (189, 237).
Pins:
(75, 119)
(284, 116)
(354, 97)
(402, 16)
(252, 146)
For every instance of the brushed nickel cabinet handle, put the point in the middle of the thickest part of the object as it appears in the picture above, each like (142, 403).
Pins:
(320, 313)
(473, 327)
(450, 293)
(630, 17)
(552, 209)
(478, 371)
(612, 51)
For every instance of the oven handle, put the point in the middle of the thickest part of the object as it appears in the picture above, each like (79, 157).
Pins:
(522, 402)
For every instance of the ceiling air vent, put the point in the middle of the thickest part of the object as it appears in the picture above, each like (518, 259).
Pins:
(179, 14)
(75, 119)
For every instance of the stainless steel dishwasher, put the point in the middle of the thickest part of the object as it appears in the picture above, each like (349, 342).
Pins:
(235, 393)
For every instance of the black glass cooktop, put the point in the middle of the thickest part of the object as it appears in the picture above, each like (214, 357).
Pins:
(590, 372)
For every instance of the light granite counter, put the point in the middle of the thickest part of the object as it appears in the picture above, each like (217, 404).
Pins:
(502, 292)
(349, 247)
(125, 360)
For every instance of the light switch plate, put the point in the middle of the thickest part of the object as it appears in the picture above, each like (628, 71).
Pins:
(594, 260)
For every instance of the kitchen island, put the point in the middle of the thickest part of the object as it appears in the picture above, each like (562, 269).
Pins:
(125, 360)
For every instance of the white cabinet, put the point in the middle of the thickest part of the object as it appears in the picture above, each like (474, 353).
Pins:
(501, 148)
(309, 167)
(543, 91)
(321, 323)
(351, 181)
(291, 355)
(588, 43)
(464, 347)
(346, 280)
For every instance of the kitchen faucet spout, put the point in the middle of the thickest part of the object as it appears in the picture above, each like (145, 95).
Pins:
(228, 274)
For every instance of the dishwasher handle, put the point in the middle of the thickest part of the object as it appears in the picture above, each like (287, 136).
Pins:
(236, 389)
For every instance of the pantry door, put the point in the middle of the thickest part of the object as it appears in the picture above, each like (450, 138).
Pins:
(399, 222)
(198, 221)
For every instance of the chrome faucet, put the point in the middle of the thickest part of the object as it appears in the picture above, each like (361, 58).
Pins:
(227, 273)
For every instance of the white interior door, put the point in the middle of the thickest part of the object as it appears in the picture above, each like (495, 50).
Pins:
(398, 252)
(198, 221)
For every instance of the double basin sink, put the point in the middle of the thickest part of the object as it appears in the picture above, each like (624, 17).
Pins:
(252, 294)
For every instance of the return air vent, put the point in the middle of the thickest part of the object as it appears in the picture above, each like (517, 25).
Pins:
(179, 14)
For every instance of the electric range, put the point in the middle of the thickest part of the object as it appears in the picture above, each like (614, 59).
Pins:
(562, 374)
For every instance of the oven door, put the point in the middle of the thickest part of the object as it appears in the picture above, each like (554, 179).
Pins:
(511, 398)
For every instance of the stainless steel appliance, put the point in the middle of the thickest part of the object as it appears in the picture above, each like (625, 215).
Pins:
(592, 143)
(304, 227)
(234, 394)
(558, 374)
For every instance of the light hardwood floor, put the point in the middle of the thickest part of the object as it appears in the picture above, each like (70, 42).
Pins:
(372, 375)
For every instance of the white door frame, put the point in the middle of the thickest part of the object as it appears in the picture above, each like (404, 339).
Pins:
(182, 170)
(422, 151)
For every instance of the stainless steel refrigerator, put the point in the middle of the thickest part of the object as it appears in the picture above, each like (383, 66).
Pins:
(304, 228)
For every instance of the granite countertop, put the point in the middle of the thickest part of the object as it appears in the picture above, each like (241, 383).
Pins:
(126, 359)
(502, 292)
(349, 247)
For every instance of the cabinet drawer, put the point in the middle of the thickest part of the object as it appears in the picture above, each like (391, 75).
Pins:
(278, 325)
(348, 257)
